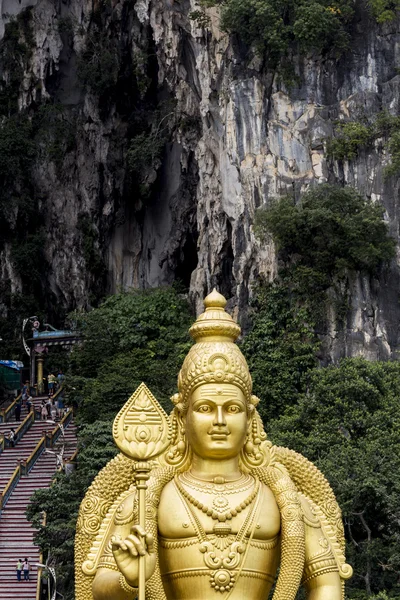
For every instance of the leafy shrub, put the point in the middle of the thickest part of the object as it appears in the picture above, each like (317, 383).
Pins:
(90, 246)
(348, 424)
(275, 26)
(330, 230)
(28, 256)
(353, 136)
(394, 148)
(281, 347)
(384, 11)
(132, 337)
(56, 131)
(350, 138)
(17, 147)
(98, 63)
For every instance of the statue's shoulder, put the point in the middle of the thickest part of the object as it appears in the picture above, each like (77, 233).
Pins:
(168, 493)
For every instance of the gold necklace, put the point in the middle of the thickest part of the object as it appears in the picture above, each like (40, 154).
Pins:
(218, 511)
(222, 579)
(218, 485)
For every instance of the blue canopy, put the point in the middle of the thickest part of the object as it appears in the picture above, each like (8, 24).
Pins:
(12, 364)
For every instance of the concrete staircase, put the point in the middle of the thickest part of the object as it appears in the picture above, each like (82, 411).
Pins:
(16, 533)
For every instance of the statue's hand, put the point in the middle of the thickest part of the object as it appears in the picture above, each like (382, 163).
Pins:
(127, 552)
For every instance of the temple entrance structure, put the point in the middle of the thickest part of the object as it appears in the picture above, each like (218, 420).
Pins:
(41, 343)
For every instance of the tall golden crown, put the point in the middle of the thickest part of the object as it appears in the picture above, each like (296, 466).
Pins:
(214, 358)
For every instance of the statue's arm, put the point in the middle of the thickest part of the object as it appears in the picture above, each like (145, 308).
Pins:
(326, 586)
(321, 574)
(106, 586)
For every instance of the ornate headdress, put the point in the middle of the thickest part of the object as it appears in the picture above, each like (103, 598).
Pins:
(214, 358)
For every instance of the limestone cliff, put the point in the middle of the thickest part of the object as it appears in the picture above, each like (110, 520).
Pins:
(231, 137)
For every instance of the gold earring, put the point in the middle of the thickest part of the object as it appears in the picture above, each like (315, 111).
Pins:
(256, 448)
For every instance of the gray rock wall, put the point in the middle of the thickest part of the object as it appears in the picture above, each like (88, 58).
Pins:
(238, 137)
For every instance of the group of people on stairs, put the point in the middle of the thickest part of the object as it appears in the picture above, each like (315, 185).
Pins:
(23, 567)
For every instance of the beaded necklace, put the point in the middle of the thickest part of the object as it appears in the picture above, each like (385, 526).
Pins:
(218, 485)
(218, 510)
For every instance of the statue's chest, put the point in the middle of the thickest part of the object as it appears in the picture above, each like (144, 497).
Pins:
(221, 512)
(197, 555)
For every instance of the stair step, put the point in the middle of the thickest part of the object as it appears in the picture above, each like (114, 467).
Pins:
(16, 533)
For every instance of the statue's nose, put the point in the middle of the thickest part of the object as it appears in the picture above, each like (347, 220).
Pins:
(219, 416)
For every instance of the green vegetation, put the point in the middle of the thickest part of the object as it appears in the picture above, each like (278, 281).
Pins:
(349, 139)
(281, 347)
(17, 148)
(15, 52)
(352, 137)
(330, 231)
(91, 252)
(55, 129)
(384, 11)
(98, 64)
(394, 148)
(275, 27)
(131, 337)
(348, 422)
(146, 147)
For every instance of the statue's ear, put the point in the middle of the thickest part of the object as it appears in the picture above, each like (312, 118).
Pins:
(177, 401)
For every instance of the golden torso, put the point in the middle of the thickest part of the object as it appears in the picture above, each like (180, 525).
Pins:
(208, 566)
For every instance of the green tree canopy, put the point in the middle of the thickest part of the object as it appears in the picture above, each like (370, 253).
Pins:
(330, 230)
(132, 337)
(348, 424)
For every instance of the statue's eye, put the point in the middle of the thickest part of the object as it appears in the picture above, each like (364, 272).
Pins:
(204, 408)
(234, 409)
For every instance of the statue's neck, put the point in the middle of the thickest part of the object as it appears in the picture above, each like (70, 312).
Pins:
(206, 468)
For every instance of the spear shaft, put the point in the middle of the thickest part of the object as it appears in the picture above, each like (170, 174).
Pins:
(142, 470)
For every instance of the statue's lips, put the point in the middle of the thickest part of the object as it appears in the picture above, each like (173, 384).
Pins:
(219, 435)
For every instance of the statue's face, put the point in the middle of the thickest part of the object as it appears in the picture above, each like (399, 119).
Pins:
(216, 421)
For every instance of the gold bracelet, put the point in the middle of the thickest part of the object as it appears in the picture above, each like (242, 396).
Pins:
(125, 585)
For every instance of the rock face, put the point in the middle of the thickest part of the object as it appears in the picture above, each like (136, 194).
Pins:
(235, 137)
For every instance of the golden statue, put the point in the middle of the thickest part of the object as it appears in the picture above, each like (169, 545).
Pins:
(223, 508)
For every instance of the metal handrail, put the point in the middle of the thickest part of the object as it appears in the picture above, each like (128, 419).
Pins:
(73, 457)
(12, 482)
(60, 389)
(37, 452)
(40, 569)
(56, 432)
(6, 413)
(25, 425)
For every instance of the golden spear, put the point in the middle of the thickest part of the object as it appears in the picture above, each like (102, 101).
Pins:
(142, 431)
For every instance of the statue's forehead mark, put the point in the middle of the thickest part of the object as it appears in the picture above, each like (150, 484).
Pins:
(218, 390)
